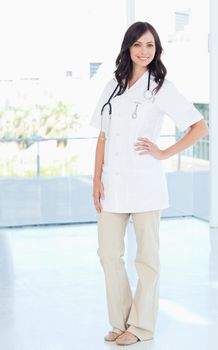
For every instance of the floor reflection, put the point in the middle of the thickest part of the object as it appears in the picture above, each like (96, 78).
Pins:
(52, 294)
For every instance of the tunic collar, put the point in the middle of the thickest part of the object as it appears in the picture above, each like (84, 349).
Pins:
(140, 81)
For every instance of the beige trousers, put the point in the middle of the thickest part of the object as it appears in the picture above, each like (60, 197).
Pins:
(136, 313)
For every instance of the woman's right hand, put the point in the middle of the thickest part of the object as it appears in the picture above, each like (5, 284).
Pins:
(98, 194)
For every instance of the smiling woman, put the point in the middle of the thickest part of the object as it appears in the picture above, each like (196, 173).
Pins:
(141, 47)
(142, 53)
(129, 178)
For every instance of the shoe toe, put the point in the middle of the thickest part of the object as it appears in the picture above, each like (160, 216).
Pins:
(126, 339)
(111, 336)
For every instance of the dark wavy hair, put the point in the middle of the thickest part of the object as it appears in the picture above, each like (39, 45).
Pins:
(124, 65)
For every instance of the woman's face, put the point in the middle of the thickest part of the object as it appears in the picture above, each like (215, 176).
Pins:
(143, 50)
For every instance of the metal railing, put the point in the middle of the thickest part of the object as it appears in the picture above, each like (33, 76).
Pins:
(199, 151)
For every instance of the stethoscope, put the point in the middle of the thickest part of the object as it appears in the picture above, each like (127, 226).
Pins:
(148, 95)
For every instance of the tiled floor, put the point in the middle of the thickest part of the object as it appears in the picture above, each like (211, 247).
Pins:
(52, 294)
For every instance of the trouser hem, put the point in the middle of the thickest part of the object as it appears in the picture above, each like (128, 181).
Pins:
(117, 330)
(140, 333)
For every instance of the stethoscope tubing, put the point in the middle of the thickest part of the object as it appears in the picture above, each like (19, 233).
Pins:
(147, 95)
(109, 102)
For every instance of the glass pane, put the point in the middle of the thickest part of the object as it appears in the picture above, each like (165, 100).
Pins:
(67, 157)
(18, 161)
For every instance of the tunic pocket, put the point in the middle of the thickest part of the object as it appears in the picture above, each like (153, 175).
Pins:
(147, 121)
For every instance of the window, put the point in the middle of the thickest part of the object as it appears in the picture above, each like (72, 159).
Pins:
(94, 68)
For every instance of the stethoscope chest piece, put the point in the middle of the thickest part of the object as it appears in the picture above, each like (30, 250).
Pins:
(148, 95)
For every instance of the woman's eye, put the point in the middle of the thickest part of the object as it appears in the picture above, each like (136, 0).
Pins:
(136, 44)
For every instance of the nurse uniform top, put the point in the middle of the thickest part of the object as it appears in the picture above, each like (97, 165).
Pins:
(132, 182)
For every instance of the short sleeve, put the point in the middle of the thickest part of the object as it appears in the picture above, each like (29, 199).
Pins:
(177, 107)
(96, 120)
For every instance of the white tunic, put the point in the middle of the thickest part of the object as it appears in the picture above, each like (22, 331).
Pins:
(133, 182)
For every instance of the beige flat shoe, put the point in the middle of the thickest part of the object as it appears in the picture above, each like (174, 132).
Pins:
(111, 336)
(127, 338)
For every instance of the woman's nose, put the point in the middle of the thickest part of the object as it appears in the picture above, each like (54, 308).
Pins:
(143, 50)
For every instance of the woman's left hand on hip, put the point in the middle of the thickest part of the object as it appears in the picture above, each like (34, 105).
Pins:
(144, 146)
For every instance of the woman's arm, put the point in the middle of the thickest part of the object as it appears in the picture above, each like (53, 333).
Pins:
(98, 189)
(196, 132)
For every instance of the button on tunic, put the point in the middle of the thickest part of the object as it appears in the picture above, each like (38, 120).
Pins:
(132, 182)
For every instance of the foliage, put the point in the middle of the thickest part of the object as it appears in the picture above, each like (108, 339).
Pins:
(58, 120)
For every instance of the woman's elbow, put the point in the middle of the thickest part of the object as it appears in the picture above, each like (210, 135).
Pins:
(201, 127)
(205, 129)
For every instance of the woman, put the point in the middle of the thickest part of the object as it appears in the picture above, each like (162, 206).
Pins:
(129, 179)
